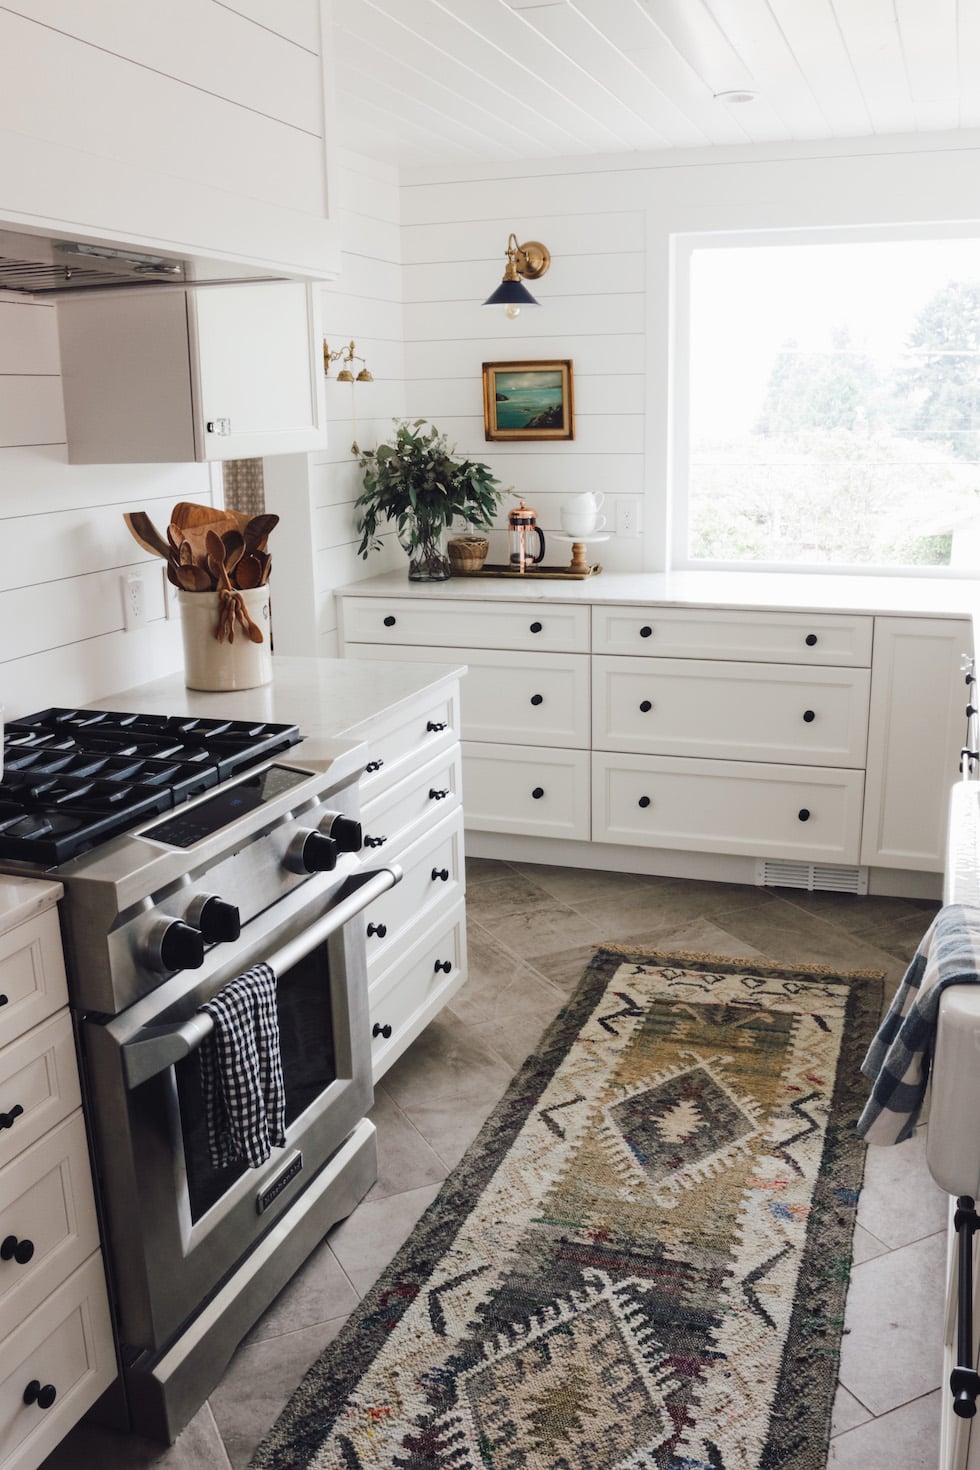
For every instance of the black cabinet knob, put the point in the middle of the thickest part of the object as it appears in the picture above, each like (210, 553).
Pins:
(443, 966)
(536, 627)
(646, 707)
(182, 947)
(390, 621)
(4, 1000)
(810, 640)
(379, 929)
(437, 795)
(803, 814)
(374, 841)
(7, 1119)
(808, 716)
(374, 765)
(644, 801)
(220, 922)
(434, 726)
(537, 699)
(646, 631)
(538, 792)
(378, 1030)
(13, 1249)
(43, 1395)
(440, 875)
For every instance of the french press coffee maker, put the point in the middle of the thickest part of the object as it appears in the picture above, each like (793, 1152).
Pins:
(522, 526)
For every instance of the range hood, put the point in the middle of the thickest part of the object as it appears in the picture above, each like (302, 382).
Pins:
(38, 265)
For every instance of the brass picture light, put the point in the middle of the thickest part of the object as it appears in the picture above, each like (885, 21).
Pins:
(524, 262)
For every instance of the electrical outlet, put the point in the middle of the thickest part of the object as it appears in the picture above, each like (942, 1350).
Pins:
(134, 602)
(627, 516)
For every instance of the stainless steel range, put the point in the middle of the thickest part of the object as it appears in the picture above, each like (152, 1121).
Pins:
(190, 850)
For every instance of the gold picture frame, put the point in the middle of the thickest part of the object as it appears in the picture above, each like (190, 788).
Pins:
(528, 400)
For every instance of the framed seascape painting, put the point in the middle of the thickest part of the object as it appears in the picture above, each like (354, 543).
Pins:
(528, 400)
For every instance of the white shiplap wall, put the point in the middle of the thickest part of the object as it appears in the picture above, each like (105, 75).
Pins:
(314, 494)
(63, 543)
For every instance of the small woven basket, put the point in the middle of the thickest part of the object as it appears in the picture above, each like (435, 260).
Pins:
(468, 553)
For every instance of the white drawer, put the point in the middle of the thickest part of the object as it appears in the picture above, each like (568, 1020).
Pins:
(32, 974)
(404, 738)
(46, 1203)
(757, 637)
(441, 624)
(731, 711)
(414, 990)
(67, 1344)
(727, 806)
(527, 698)
(523, 789)
(399, 815)
(38, 1084)
(433, 877)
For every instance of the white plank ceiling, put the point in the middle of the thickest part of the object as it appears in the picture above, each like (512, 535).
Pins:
(472, 81)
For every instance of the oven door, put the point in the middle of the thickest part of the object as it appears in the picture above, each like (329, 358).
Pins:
(176, 1225)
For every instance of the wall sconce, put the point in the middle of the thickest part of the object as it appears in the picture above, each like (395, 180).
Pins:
(345, 355)
(528, 261)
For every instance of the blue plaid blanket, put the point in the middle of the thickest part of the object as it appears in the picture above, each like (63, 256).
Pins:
(900, 1056)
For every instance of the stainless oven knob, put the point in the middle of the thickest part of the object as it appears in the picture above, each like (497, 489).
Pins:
(344, 831)
(171, 944)
(219, 921)
(311, 852)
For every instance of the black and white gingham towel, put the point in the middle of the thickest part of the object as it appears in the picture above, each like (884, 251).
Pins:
(900, 1056)
(241, 1071)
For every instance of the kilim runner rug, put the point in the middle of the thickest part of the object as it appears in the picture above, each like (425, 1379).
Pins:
(641, 1262)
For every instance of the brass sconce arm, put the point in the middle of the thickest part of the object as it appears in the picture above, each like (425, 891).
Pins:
(529, 260)
(346, 356)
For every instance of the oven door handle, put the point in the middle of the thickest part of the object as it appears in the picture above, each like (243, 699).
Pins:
(155, 1048)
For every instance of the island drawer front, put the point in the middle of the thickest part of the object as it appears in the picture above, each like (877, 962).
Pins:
(777, 713)
(756, 637)
(46, 1203)
(441, 624)
(39, 1076)
(404, 739)
(405, 999)
(397, 816)
(32, 974)
(525, 789)
(66, 1343)
(390, 919)
(808, 813)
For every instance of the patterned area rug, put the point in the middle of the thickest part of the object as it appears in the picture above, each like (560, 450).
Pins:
(641, 1262)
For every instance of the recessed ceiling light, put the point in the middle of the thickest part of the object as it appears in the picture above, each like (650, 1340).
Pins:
(743, 95)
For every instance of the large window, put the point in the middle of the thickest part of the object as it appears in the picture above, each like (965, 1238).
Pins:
(832, 417)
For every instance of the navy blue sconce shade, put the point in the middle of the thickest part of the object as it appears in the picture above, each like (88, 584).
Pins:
(511, 293)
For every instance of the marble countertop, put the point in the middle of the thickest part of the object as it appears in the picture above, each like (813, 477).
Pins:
(22, 898)
(788, 591)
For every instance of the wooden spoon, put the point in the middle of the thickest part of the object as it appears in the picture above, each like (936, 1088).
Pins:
(145, 532)
(216, 560)
(258, 530)
(248, 573)
(193, 578)
(234, 544)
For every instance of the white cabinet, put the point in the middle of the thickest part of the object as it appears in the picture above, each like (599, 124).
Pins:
(56, 1349)
(917, 727)
(223, 372)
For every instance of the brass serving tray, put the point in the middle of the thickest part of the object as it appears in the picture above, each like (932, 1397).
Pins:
(532, 574)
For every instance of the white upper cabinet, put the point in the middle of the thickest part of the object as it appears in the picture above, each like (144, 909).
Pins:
(168, 375)
(202, 129)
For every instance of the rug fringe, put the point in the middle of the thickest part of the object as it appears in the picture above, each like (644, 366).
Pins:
(766, 966)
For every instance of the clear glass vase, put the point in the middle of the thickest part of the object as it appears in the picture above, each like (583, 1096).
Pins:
(424, 542)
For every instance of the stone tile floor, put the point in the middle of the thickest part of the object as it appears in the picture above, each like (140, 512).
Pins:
(531, 931)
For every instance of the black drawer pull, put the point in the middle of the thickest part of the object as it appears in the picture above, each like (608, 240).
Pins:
(435, 795)
(390, 621)
(536, 627)
(808, 716)
(443, 965)
(13, 1249)
(537, 699)
(810, 640)
(7, 1119)
(646, 707)
(538, 792)
(440, 875)
(44, 1396)
(646, 631)
(3, 1000)
(803, 814)
(644, 801)
(378, 1030)
(374, 765)
(374, 841)
(380, 929)
(434, 726)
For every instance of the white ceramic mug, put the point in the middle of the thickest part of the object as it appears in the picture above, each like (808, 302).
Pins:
(587, 503)
(580, 522)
